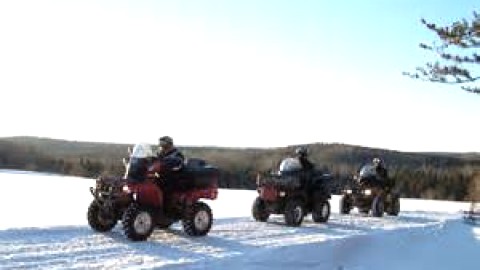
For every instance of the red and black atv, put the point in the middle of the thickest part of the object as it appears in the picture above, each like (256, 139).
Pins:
(293, 193)
(148, 197)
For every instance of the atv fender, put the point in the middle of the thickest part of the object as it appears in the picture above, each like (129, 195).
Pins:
(268, 193)
(148, 194)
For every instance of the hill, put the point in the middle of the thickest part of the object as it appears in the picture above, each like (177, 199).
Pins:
(425, 175)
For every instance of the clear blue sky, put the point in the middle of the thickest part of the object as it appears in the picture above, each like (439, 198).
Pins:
(231, 73)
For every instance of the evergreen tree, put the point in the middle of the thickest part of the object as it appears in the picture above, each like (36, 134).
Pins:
(458, 59)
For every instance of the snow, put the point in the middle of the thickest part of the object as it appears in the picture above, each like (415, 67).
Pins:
(43, 226)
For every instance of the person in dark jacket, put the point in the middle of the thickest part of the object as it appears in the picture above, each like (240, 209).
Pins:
(173, 160)
(380, 168)
(302, 155)
(171, 157)
(382, 173)
(307, 166)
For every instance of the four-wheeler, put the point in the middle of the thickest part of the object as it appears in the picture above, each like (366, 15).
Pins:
(294, 193)
(149, 197)
(368, 191)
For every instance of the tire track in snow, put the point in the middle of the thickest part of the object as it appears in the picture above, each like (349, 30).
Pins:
(81, 248)
(26, 253)
(276, 234)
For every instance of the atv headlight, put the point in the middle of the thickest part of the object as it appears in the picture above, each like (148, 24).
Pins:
(281, 193)
(126, 189)
(348, 191)
(368, 192)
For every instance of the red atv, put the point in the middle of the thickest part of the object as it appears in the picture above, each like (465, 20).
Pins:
(293, 193)
(148, 197)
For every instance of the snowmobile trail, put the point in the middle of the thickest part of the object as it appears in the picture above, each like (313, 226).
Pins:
(53, 235)
(238, 239)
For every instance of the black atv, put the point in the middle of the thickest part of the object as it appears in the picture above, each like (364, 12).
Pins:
(368, 191)
(293, 193)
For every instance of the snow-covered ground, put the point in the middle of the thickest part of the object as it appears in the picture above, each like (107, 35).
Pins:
(43, 226)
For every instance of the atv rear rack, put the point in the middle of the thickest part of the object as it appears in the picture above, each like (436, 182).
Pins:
(281, 181)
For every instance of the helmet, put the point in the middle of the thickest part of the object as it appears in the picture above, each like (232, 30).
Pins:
(301, 151)
(377, 162)
(165, 140)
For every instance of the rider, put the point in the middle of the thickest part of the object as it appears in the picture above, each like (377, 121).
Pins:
(173, 160)
(302, 155)
(171, 157)
(382, 172)
(307, 166)
(380, 167)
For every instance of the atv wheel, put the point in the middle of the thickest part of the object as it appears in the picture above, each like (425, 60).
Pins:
(138, 223)
(378, 206)
(97, 221)
(321, 211)
(198, 219)
(394, 207)
(294, 212)
(345, 205)
(259, 211)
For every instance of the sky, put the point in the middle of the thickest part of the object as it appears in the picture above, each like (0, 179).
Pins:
(231, 73)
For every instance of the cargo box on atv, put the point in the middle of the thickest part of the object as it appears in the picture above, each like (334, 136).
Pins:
(283, 181)
(196, 174)
(289, 175)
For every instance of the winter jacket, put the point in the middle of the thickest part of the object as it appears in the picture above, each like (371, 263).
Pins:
(307, 165)
(382, 172)
(173, 159)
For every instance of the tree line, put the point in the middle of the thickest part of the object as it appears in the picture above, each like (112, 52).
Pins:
(417, 175)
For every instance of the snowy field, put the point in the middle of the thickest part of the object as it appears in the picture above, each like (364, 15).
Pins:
(43, 226)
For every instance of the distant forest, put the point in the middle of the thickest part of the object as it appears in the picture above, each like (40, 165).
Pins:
(445, 176)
